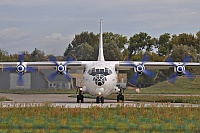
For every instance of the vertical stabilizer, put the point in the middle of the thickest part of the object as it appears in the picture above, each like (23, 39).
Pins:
(101, 56)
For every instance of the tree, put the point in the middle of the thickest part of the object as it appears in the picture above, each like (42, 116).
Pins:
(83, 52)
(185, 39)
(38, 55)
(67, 51)
(139, 42)
(112, 52)
(85, 37)
(120, 40)
(164, 44)
(3, 55)
(180, 52)
(197, 42)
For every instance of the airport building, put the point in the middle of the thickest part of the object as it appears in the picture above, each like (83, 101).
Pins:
(39, 80)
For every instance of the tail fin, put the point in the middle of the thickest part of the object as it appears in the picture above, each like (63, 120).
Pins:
(101, 56)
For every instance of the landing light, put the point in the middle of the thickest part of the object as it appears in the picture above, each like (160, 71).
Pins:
(99, 93)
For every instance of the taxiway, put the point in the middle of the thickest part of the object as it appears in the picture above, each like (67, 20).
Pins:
(22, 100)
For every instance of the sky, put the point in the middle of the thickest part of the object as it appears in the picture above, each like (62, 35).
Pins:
(50, 25)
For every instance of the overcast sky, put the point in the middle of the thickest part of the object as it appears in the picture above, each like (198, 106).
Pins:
(50, 25)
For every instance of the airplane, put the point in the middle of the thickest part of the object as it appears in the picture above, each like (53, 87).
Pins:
(99, 77)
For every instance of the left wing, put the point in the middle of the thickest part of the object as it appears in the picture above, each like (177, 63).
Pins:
(127, 65)
(145, 67)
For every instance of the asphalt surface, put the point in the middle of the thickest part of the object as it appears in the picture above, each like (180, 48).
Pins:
(69, 102)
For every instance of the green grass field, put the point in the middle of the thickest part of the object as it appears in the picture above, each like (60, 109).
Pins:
(181, 86)
(96, 119)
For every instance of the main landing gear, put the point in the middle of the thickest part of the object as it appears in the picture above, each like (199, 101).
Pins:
(120, 96)
(80, 96)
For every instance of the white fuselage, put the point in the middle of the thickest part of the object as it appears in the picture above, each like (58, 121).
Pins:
(100, 78)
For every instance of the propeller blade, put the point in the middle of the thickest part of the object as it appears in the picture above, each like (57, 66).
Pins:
(53, 59)
(69, 59)
(189, 75)
(31, 69)
(173, 78)
(145, 58)
(187, 59)
(52, 76)
(20, 80)
(10, 68)
(149, 73)
(21, 58)
(170, 60)
(67, 76)
(133, 80)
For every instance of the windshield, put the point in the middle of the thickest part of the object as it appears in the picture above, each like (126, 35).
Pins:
(104, 71)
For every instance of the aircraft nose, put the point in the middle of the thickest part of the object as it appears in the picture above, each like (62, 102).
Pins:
(99, 79)
(99, 90)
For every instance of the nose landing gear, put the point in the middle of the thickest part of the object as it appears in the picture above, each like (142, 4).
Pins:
(100, 99)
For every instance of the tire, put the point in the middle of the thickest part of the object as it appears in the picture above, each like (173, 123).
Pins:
(97, 100)
(82, 99)
(122, 97)
(77, 98)
(118, 98)
(102, 99)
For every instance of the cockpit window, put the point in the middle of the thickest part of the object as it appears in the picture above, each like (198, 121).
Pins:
(105, 71)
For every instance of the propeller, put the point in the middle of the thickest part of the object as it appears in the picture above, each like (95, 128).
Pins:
(179, 69)
(21, 69)
(139, 69)
(60, 68)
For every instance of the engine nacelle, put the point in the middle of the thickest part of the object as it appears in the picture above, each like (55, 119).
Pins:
(61, 69)
(139, 69)
(115, 90)
(20, 69)
(179, 70)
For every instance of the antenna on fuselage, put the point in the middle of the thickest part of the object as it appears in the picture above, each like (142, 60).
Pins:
(101, 56)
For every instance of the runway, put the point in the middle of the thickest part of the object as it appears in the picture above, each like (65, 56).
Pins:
(63, 100)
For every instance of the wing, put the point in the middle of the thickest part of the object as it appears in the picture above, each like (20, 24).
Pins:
(61, 67)
(144, 67)
(127, 65)
(80, 65)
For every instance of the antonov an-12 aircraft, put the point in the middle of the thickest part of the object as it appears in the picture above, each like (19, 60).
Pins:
(100, 77)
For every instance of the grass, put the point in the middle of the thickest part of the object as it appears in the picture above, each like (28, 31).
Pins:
(120, 119)
(181, 86)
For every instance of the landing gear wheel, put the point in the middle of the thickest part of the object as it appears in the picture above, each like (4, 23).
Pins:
(80, 97)
(120, 96)
(100, 99)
